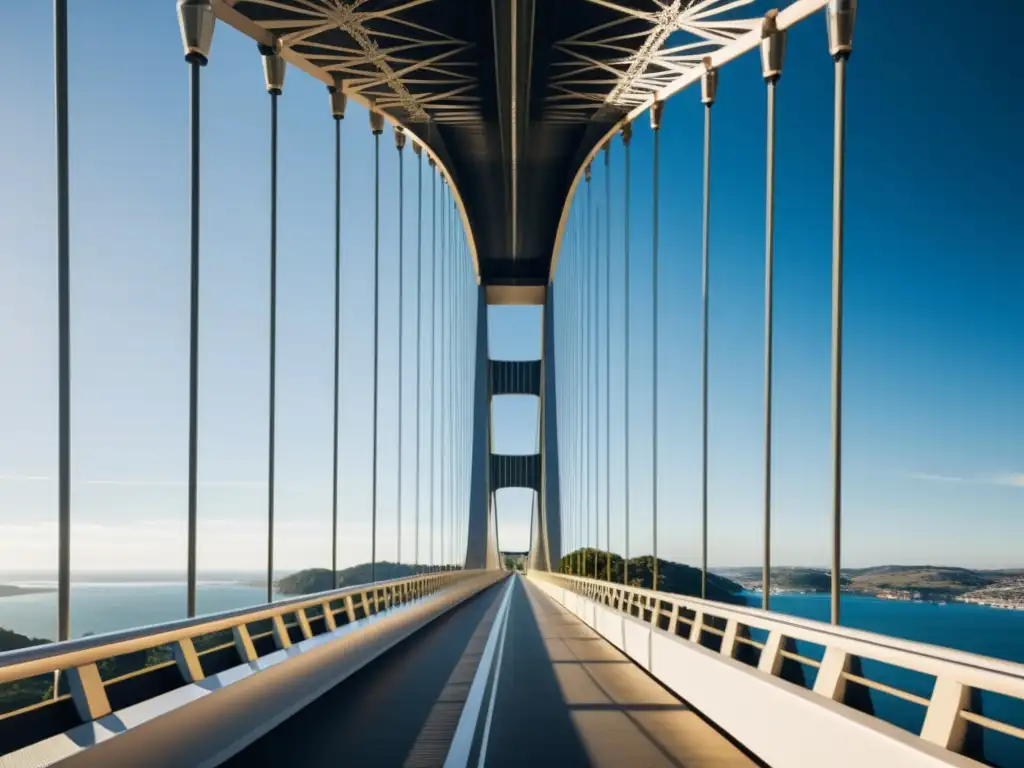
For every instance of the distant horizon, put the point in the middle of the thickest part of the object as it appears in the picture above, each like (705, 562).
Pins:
(206, 575)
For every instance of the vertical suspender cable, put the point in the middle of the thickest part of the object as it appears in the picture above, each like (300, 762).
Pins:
(558, 320)
(841, 15)
(196, 21)
(769, 257)
(580, 411)
(453, 395)
(60, 66)
(456, 395)
(273, 71)
(594, 257)
(709, 83)
(570, 399)
(588, 327)
(377, 126)
(463, 389)
(450, 369)
(627, 135)
(656, 112)
(419, 337)
(456, 384)
(433, 345)
(450, 410)
(607, 357)
(573, 389)
(273, 346)
(444, 380)
(193, 345)
(459, 377)
(400, 145)
(446, 390)
(338, 102)
(773, 47)
(463, 428)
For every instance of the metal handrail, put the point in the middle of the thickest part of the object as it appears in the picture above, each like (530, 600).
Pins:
(41, 659)
(956, 672)
(934, 659)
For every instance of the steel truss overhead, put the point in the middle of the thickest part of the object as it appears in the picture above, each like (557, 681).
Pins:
(511, 96)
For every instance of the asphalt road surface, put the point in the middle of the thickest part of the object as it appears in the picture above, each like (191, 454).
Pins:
(509, 678)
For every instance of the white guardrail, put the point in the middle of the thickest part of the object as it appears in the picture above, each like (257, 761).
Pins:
(781, 722)
(335, 632)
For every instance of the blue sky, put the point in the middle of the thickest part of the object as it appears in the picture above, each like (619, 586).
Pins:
(934, 423)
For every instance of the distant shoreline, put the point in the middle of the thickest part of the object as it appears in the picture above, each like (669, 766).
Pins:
(6, 590)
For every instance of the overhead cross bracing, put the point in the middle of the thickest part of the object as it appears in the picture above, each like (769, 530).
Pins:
(405, 67)
(510, 96)
(604, 67)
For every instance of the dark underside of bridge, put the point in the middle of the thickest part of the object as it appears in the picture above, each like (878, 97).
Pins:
(510, 94)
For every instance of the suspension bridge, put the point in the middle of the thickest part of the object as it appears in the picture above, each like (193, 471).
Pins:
(503, 109)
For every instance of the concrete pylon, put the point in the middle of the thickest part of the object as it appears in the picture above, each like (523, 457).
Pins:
(546, 544)
(481, 537)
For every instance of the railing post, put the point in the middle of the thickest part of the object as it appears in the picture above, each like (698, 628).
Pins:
(303, 620)
(771, 655)
(243, 643)
(696, 626)
(329, 617)
(88, 693)
(673, 622)
(281, 638)
(830, 681)
(350, 608)
(187, 659)
(943, 724)
(655, 610)
(729, 638)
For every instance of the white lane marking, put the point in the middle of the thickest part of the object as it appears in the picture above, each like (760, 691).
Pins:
(462, 741)
(494, 688)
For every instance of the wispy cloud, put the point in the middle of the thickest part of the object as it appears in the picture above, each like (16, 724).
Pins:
(1015, 479)
(1011, 479)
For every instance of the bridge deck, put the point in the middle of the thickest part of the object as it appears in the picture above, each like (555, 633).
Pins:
(559, 694)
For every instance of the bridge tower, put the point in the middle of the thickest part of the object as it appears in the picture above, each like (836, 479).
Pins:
(493, 471)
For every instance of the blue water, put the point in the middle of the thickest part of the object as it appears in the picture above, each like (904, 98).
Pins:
(977, 629)
(105, 606)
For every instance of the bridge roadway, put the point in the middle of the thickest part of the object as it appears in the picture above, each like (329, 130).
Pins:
(553, 692)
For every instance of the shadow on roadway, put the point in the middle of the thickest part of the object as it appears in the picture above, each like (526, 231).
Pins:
(400, 709)
(568, 697)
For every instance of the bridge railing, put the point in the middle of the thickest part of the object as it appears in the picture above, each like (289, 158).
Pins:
(777, 644)
(165, 656)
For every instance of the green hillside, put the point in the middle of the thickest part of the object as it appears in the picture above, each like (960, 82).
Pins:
(927, 579)
(313, 580)
(23, 692)
(672, 577)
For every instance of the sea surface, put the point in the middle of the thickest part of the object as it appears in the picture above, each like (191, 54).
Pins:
(997, 632)
(106, 605)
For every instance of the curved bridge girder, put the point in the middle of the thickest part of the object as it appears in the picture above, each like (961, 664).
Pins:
(510, 97)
